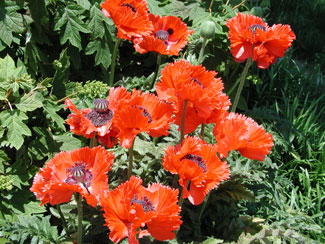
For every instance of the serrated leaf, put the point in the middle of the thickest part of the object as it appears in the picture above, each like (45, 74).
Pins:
(71, 24)
(11, 21)
(84, 3)
(153, 6)
(7, 68)
(69, 142)
(16, 128)
(51, 109)
(29, 102)
(96, 23)
(103, 54)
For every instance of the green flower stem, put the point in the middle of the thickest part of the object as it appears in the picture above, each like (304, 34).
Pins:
(204, 43)
(80, 215)
(93, 142)
(130, 160)
(64, 223)
(111, 75)
(241, 84)
(183, 121)
(203, 206)
(202, 131)
(156, 71)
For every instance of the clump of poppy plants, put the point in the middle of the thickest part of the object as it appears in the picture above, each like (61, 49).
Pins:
(187, 95)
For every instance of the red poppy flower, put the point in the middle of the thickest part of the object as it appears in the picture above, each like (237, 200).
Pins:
(197, 162)
(83, 170)
(250, 36)
(143, 112)
(237, 132)
(130, 207)
(168, 37)
(130, 17)
(182, 81)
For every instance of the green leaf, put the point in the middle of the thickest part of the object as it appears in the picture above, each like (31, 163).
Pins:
(30, 102)
(154, 8)
(96, 23)
(69, 142)
(70, 25)
(7, 68)
(84, 3)
(51, 109)
(103, 53)
(17, 129)
(11, 21)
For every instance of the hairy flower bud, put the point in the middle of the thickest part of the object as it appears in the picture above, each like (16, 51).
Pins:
(208, 29)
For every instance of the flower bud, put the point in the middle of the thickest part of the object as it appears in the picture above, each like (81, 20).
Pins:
(208, 29)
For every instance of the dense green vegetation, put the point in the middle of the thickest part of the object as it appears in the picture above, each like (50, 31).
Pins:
(53, 49)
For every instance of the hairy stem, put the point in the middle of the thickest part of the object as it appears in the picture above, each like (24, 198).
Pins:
(156, 71)
(111, 75)
(183, 121)
(241, 84)
(80, 215)
(130, 160)
(64, 223)
(204, 43)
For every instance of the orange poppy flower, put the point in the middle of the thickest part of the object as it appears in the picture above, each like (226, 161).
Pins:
(131, 207)
(197, 162)
(237, 132)
(250, 36)
(130, 17)
(182, 81)
(143, 112)
(168, 37)
(83, 170)
(88, 122)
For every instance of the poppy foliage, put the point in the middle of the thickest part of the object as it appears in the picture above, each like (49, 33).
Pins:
(168, 37)
(131, 210)
(237, 132)
(182, 81)
(130, 17)
(197, 162)
(81, 171)
(251, 37)
(142, 112)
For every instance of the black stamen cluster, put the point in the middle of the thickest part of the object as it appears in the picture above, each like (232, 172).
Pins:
(130, 6)
(145, 203)
(253, 28)
(196, 159)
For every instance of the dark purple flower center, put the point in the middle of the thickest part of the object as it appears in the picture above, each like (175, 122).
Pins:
(253, 28)
(197, 81)
(144, 112)
(79, 174)
(101, 114)
(129, 6)
(196, 159)
(162, 35)
(145, 203)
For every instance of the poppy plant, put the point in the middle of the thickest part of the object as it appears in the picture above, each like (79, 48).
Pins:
(182, 81)
(81, 171)
(197, 162)
(130, 17)
(237, 132)
(251, 37)
(131, 210)
(142, 112)
(168, 37)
